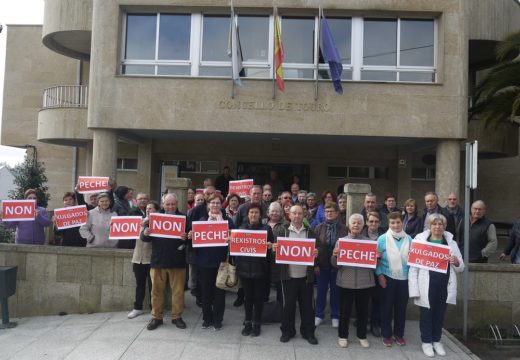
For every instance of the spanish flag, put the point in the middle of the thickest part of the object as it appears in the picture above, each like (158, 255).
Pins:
(278, 52)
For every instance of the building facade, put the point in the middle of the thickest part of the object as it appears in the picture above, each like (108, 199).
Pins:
(132, 86)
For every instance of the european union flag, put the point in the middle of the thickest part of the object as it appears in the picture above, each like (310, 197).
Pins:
(331, 55)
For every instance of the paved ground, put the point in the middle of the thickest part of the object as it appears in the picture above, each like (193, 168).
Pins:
(113, 336)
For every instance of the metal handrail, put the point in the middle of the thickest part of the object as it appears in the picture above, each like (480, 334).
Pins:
(65, 96)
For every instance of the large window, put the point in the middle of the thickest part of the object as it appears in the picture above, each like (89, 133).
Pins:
(197, 44)
(398, 50)
(157, 44)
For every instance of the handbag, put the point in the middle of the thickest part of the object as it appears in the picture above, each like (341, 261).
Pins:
(227, 278)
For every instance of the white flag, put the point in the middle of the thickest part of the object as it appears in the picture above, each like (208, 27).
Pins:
(234, 50)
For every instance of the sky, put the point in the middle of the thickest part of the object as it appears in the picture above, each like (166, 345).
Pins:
(15, 12)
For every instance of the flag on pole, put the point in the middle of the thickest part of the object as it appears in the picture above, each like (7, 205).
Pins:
(278, 53)
(234, 49)
(331, 55)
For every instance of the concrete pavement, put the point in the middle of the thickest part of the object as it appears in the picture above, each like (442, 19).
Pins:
(113, 336)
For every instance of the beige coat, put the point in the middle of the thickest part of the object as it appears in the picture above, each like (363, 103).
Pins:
(350, 277)
(97, 228)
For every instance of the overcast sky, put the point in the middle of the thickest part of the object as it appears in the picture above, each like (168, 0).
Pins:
(15, 12)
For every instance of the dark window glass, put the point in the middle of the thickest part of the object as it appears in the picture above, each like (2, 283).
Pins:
(298, 40)
(337, 171)
(417, 38)
(174, 37)
(359, 172)
(140, 37)
(215, 38)
(380, 42)
(254, 37)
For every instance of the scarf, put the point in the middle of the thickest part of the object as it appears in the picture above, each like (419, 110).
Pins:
(397, 258)
(215, 217)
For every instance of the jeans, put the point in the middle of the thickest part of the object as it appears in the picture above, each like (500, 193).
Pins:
(394, 299)
(326, 280)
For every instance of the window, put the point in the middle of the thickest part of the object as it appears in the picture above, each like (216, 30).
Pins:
(398, 50)
(127, 164)
(157, 44)
(423, 174)
(357, 172)
(196, 44)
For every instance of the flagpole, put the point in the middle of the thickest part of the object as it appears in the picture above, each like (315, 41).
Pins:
(275, 13)
(231, 32)
(320, 14)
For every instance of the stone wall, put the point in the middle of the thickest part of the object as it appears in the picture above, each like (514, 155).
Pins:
(52, 279)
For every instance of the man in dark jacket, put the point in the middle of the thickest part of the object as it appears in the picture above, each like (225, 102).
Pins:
(431, 200)
(222, 182)
(482, 235)
(297, 282)
(168, 262)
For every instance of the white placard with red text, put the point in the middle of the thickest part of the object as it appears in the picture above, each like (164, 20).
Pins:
(295, 251)
(18, 210)
(357, 253)
(429, 256)
(92, 184)
(167, 225)
(209, 233)
(125, 227)
(69, 217)
(248, 243)
(241, 187)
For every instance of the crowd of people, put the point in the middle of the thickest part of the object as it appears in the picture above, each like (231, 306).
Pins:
(380, 296)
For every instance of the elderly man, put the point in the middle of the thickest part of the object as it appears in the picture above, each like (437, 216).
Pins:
(452, 205)
(297, 282)
(369, 205)
(295, 188)
(222, 181)
(267, 197)
(168, 263)
(302, 197)
(255, 197)
(431, 200)
(140, 209)
(482, 235)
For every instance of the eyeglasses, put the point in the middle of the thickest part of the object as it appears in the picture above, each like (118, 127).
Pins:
(373, 221)
(214, 203)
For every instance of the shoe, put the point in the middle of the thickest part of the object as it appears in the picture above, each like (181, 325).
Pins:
(317, 321)
(248, 327)
(256, 330)
(400, 341)
(238, 302)
(179, 323)
(376, 331)
(217, 326)
(387, 342)
(364, 343)
(427, 349)
(335, 323)
(134, 313)
(342, 342)
(154, 324)
(439, 349)
(311, 339)
(285, 337)
(206, 324)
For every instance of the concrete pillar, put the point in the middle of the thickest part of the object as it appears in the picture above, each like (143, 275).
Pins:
(355, 197)
(179, 186)
(447, 171)
(404, 174)
(104, 153)
(88, 159)
(144, 167)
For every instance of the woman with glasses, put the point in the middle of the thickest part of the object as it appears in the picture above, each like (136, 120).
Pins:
(31, 232)
(208, 260)
(412, 223)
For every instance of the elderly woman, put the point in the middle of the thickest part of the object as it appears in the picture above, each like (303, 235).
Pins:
(328, 233)
(320, 213)
(190, 198)
(432, 290)
(355, 285)
(233, 201)
(31, 232)
(141, 264)
(412, 223)
(253, 272)
(392, 272)
(342, 203)
(208, 260)
(97, 228)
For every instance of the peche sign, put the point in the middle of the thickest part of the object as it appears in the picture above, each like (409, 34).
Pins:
(248, 243)
(209, 233)
(92, 184)
(357, 253)
(429, 256)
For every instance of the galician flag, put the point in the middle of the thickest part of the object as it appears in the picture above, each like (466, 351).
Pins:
(234, 50)
(331, 55)
(278, 53)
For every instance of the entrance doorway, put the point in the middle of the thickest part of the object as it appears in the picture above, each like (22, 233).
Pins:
(260, 172)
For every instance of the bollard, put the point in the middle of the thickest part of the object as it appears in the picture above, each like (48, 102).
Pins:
(7, 288)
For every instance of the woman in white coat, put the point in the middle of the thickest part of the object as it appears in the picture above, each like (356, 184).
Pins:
(431, 290)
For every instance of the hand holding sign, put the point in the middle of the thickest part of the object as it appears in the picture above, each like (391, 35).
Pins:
(248, 243)
(92, 184)
(357, 253)
(18, 210)
(429, 256)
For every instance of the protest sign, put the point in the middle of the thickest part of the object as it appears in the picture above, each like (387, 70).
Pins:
(125, 227)
(295, 251)
(248, 243)
(92, 184)
(18, 210)
(241, 187)
(357, 253)
(69, 217)
(429, 256)
(167, 226)
(209, 233)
